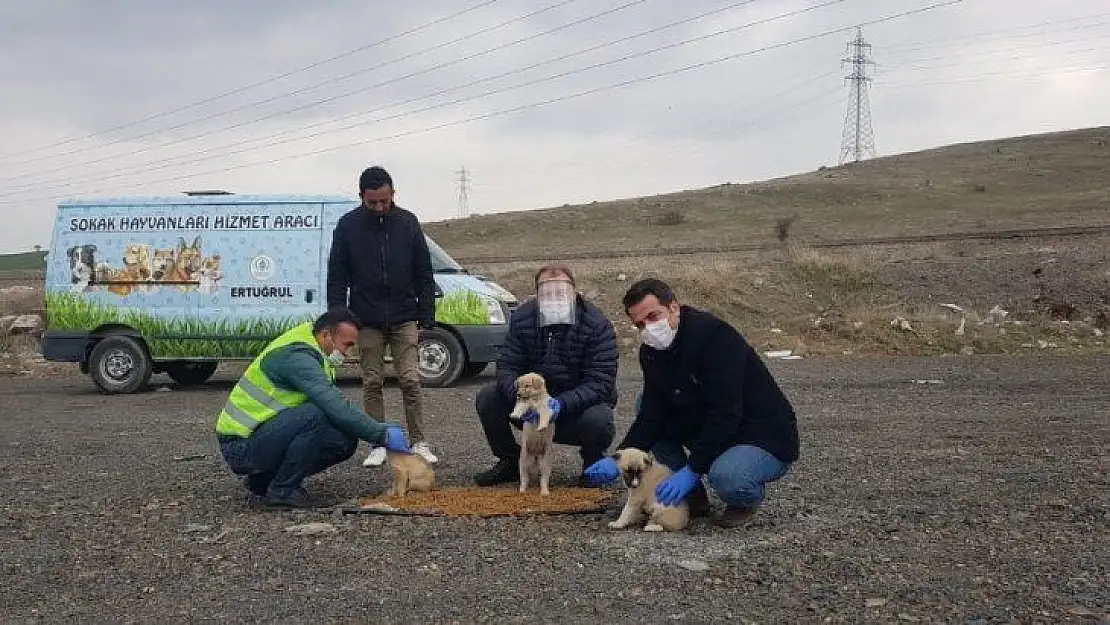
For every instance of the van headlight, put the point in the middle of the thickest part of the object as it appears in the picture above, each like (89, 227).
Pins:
(495, 310)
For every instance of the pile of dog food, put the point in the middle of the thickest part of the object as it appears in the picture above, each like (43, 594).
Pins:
(490, 502)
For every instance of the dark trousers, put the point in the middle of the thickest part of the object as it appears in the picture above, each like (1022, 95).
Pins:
(283, 451)
(591, 431)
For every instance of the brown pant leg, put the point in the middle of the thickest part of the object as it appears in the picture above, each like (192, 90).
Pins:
(371, 348)
(403, 342)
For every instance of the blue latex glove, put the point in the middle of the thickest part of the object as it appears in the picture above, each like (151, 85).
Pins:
(603, 471)
(675, 488)
(395, 440)
(556, 406)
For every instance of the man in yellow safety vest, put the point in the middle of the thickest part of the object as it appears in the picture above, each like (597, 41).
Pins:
(286, 419)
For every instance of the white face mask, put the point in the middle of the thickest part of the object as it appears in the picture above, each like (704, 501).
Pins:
(658, 335)
(336, 357)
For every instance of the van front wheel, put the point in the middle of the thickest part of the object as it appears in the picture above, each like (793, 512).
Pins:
(119, 364)
(441, 358)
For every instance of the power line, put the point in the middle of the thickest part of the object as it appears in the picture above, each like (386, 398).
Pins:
(531, 105)
(256, 84)
(173, 161)
(375, 67)
(858, 139)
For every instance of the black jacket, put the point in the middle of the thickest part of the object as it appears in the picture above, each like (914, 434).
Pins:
(384, 261)
(578, 362)
(710, 391)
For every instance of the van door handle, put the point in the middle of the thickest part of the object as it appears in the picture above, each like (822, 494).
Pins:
(309, 295)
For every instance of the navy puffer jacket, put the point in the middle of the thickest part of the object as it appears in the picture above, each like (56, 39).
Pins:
(579, 362)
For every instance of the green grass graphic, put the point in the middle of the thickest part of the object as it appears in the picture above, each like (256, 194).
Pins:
(462, 308)
(70, 311)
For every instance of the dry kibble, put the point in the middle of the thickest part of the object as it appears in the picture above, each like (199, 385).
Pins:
(487, 502)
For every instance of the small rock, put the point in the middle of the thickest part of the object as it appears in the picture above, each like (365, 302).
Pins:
(25, 323)
(312, 529)
(1098, 332)
(900, 323)
(954, 308)
(694, 565)
(998, 313)
(164, 389)
(621, 277)
(963, 324)
(782, 353)
(857, 324)
(875, 602)
(909, 618)
(776, 330)
(967, 350)
(195, 528)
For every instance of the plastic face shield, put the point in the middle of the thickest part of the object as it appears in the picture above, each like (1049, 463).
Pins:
(555, 301)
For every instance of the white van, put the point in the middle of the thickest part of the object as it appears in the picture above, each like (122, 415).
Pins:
(137, 286)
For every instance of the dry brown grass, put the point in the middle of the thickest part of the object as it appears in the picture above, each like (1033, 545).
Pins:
(1055, 179)
(811, 302)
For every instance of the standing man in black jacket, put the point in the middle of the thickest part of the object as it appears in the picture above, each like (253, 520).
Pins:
(705, 390)
(571, 343)
(379, 254)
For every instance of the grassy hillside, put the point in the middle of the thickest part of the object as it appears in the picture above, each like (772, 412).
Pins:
(23, 261)
(1053, 179)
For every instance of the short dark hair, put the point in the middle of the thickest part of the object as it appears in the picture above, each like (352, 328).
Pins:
(648, 286)
(335, 316)
(374, 178)
(554, 268)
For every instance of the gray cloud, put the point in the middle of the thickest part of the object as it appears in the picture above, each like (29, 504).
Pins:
(72, 69)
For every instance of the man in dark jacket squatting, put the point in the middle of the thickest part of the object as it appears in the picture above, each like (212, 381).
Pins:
(705, 390)
(569, 342)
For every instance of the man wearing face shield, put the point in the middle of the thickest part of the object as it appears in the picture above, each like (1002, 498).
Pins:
(286, 419)
(707, 391)
(571, 343)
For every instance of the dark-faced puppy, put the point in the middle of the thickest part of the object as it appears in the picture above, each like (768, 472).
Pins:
(641, 474)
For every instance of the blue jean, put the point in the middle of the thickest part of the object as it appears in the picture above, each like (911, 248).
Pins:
(282, 452)
(739, 476)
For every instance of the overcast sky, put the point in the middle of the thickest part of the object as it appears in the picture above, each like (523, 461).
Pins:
(116, 97)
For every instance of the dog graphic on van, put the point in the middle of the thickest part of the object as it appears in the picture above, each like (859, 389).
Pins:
(82, 264)
(187, 265)
(133, 276)
(210, 275)
(162, 265)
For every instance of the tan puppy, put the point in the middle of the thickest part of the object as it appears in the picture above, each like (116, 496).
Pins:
(641, 475)
(411, 472)
(537, 448)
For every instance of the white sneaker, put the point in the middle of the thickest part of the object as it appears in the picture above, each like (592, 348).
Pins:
(375, 458)
(425, 452)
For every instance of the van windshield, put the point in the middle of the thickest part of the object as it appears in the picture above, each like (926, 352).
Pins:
(441, 261)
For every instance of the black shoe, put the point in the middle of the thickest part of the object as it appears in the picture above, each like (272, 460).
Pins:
(292, 498)
(699, 502)
(257, 483)
(501, 473)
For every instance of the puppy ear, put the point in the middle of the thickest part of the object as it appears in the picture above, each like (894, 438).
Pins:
(616, 455)
(649, 459)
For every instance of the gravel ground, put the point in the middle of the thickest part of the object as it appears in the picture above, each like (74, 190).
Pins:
(982, 498)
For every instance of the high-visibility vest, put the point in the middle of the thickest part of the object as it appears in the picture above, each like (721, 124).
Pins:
(255, 399)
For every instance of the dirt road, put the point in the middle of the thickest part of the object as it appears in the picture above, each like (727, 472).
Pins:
(982, 498)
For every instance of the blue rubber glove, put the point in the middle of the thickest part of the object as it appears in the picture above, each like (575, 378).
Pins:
(603, 471)
(529, 416)
(395, 440)
(556, 406)
(675, 488)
